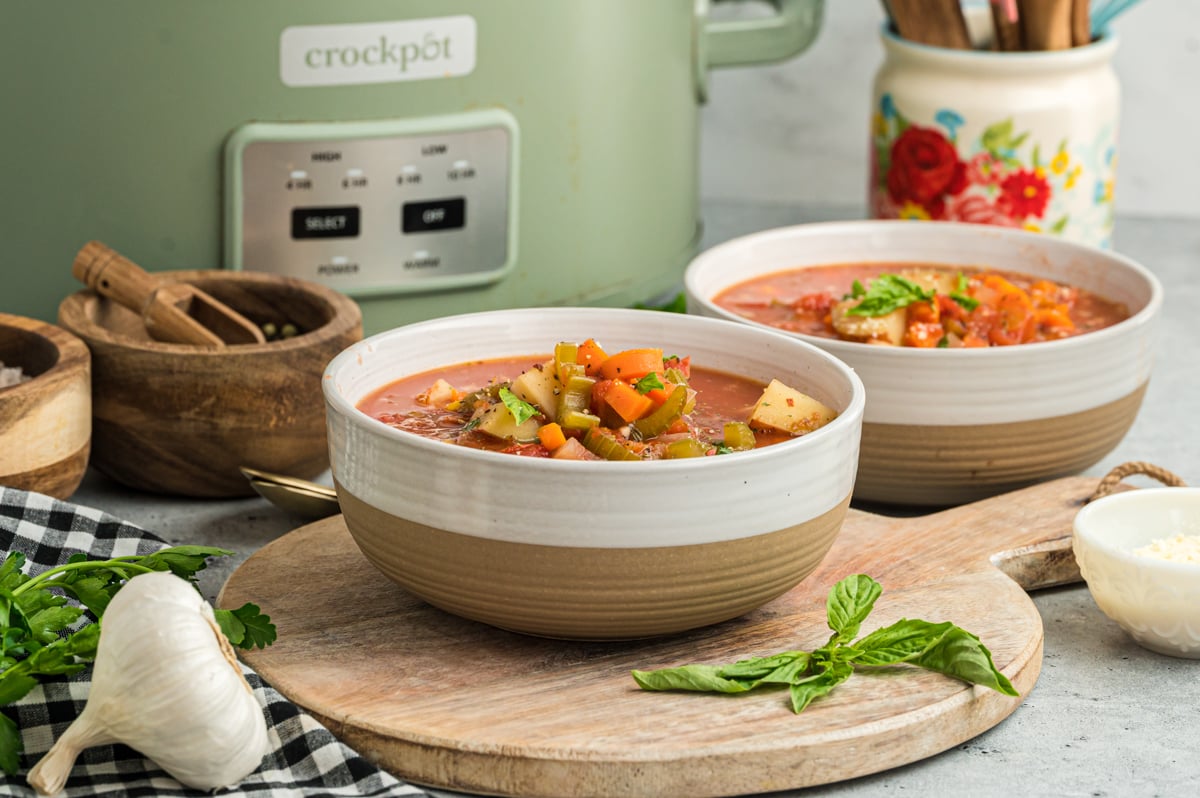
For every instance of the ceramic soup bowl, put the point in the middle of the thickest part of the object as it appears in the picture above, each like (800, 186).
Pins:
(947, 426)
(593, 550)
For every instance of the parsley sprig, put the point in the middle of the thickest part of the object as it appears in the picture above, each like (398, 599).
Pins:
(41, 633)
(941, 647)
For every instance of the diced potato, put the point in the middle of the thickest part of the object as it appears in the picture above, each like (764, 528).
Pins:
(788, 410)
(888, 329)
(573, 450)
(944, 282)
(440, 394)
(498, 420)
(540, 387)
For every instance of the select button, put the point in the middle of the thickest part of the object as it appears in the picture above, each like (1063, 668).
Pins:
(325, 222)
(443, 214)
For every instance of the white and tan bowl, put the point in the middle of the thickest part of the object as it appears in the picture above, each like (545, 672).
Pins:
(948, 426)
(590, 550)
(1157, 601)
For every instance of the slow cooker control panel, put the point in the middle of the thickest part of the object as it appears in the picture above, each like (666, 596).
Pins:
(375, 207)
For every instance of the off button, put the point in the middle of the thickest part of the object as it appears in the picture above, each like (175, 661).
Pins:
(325, 222)
(431, 215)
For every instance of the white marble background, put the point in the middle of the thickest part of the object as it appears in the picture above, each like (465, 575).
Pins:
(796, 132)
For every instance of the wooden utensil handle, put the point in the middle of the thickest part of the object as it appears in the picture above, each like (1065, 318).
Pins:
(111, 274)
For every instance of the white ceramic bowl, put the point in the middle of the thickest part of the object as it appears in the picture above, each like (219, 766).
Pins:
(590, 550)
(1157, 601)
(946, 426)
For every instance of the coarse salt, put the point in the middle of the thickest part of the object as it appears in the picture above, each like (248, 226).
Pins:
(1181, 548)
(11, 375)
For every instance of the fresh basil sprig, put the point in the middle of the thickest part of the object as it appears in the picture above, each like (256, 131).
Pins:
(886, 293)
(940, 647)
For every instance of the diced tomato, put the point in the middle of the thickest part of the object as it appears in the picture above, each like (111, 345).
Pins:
(949, 308)
(819, 302)
(684, 364)
(923, 313)
(923, 334)
(527, 450)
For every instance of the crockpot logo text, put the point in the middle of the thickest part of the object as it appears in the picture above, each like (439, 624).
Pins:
(384, 52)
(380, 52)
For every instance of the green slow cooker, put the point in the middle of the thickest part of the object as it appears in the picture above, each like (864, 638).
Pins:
(424, 157)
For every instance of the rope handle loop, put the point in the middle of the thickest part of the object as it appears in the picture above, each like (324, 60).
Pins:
(1113, 478)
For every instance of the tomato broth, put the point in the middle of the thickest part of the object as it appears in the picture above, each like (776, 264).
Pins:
(990, 308)
(445, 404)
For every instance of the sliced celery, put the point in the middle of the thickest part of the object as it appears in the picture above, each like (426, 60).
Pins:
(663, 417)
(565, 354)
(579, 420)
(576, 397)
(739, 436)
(606, 446)
(685, 447)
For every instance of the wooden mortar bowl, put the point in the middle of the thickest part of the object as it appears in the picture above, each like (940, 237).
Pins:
(46, 421)
(180, 419)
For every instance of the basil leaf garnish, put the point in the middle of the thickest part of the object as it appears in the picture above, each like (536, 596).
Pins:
(849, 603)
(941, 647)
(886, 293)
(522, 411)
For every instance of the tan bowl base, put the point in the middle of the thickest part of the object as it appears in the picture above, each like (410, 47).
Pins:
(589, 593)
(946, 465)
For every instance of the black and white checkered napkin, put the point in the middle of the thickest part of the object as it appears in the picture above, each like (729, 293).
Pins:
(305, 758)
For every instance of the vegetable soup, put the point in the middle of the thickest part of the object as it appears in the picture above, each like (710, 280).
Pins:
(920, 305)
(582, 403)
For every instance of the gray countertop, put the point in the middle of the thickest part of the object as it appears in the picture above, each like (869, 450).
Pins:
(1106, 718)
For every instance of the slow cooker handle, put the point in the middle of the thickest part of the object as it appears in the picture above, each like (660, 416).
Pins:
(782, 35)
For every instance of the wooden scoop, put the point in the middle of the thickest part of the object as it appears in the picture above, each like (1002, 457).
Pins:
(172, 312)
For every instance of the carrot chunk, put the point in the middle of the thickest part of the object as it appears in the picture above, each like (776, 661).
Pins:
(590, 356)
(626, 402)
(551, 435)
(632, 364)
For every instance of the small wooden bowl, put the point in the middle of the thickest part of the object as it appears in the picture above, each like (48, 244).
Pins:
(179, 419)
(46, 421)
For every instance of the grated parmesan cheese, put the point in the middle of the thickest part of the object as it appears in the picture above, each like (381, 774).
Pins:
(1181, 548)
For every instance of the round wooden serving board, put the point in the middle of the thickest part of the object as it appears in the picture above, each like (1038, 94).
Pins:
(447, 702)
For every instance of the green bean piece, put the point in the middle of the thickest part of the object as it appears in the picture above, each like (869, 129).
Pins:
(606, 446)
(685, 447)
(578, 419)
(663, 417)
(739, 436)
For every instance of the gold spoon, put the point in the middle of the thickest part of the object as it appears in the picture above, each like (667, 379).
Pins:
(298, 496)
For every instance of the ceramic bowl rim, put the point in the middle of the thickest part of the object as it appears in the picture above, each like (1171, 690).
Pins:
(956, 230)
(338, 403)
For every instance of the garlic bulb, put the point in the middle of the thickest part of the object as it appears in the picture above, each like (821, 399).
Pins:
(167, 683)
